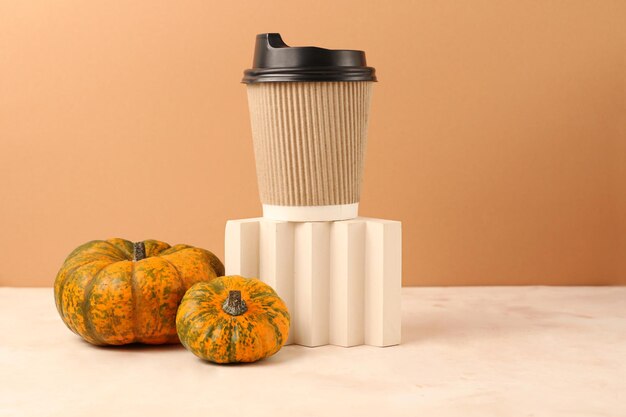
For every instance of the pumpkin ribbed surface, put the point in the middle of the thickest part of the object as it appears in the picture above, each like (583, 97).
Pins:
(108, 298)
(257, 331)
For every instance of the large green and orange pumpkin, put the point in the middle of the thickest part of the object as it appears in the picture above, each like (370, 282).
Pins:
(232, 319)
(115, 292)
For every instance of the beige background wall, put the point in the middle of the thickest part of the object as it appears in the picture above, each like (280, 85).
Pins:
(498, 131)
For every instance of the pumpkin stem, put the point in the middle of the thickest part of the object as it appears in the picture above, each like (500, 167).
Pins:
(139, 251)
(234, 305)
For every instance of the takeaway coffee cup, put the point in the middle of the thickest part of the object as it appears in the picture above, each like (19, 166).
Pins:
(309, 109)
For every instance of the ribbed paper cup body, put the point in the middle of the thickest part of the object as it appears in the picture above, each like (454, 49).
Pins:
(309, 142)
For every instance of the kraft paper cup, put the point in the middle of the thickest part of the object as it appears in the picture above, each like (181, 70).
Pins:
(309, 128)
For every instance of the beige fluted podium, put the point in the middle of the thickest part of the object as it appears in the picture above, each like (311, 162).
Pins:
(340, 280)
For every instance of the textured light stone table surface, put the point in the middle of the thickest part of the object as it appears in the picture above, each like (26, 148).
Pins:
(481, 351)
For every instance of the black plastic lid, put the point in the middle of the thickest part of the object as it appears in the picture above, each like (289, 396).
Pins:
(275, 61)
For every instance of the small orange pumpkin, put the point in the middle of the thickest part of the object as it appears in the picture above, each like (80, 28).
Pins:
(114, 292)
(232, 319)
